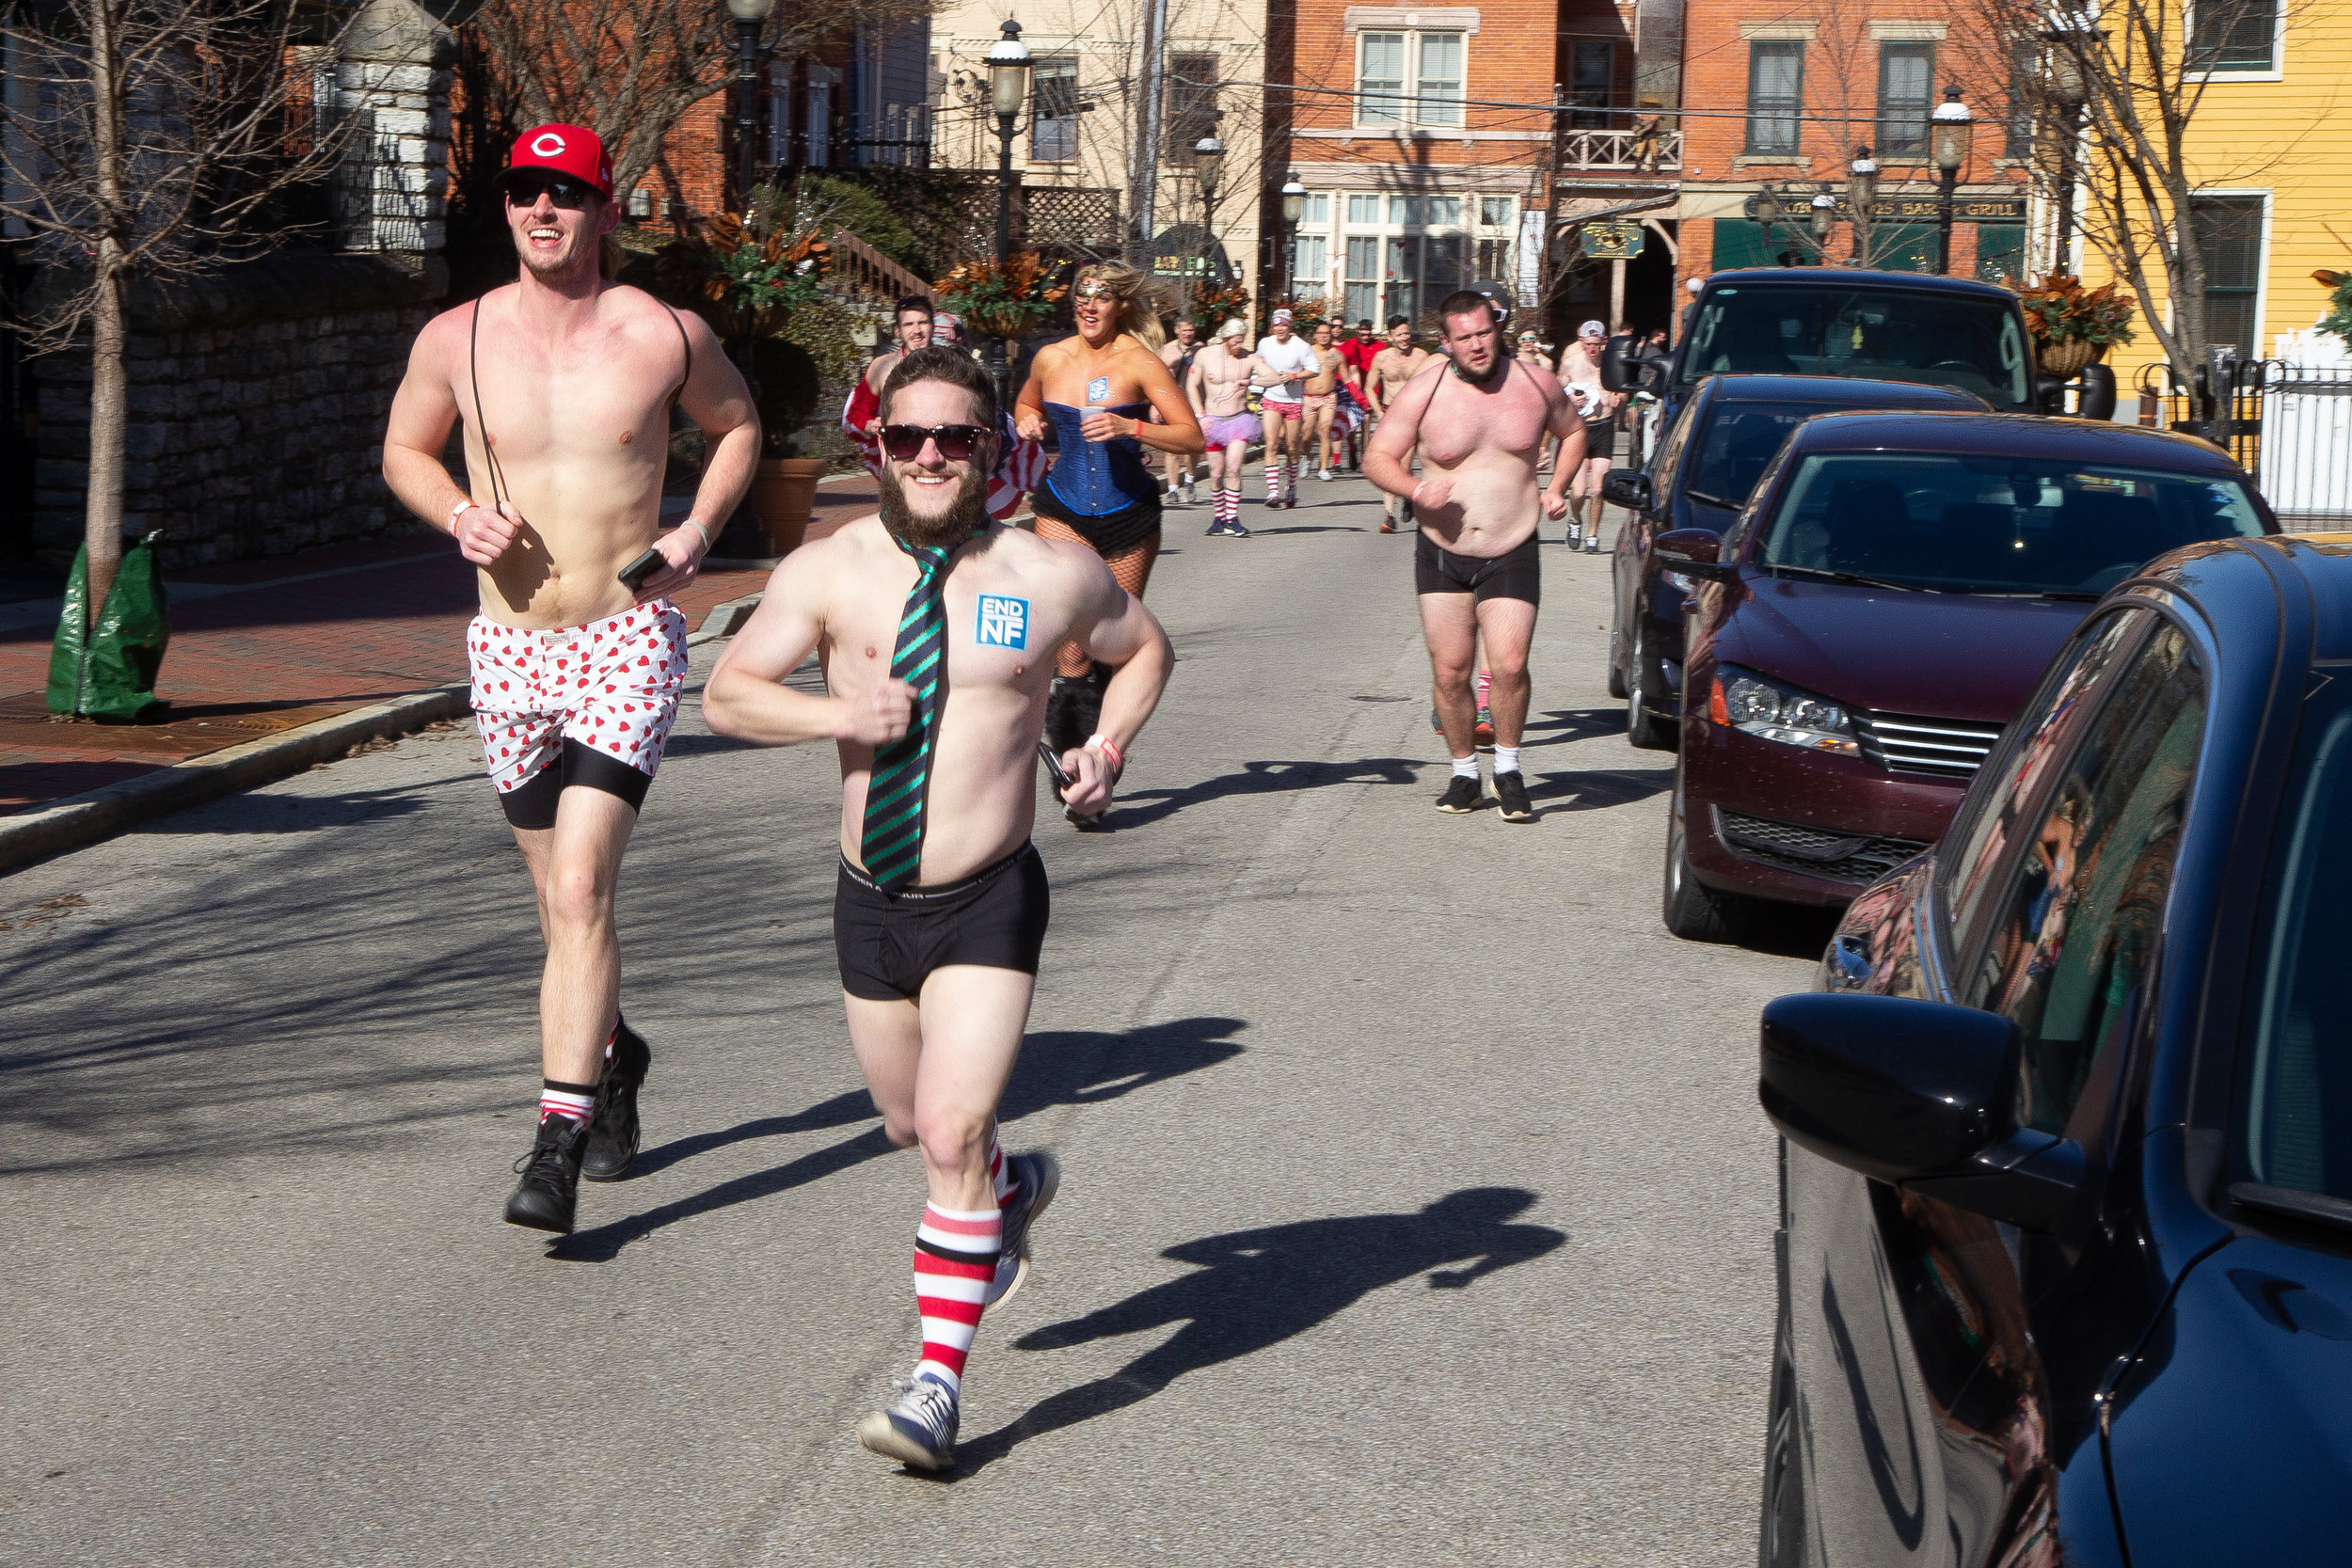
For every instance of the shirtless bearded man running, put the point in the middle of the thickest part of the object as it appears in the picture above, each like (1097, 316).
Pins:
(565, 382)
(939, 912)
(1481, 423)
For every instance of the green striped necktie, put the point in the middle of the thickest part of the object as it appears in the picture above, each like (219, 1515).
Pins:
(891, 844)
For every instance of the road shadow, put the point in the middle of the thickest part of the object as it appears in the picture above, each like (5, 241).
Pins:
(1255, 1289)
(1067, 1067)
(1310, 527)
(1788, 930)
(1145, 807)
(1598, 788)
(1560, 726)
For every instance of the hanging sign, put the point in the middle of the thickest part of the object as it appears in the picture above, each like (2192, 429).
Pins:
(1612, 241)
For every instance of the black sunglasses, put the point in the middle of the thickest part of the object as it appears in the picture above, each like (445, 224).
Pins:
(957, 442)
(570, 195)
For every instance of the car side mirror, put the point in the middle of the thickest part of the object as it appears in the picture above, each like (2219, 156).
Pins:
(1623, 369)
(1629, 488)
(2095, 399)
(2049, 393)
(1695, 553)
(1920, 1094)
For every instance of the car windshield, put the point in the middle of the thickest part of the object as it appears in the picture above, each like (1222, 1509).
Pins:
(1972, 524)
(1946, 340)
(1739, 443)
(2295, 1078)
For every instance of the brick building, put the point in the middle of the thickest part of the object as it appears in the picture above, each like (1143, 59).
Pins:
(1787, 95)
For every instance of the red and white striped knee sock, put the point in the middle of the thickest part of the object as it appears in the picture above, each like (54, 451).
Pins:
(1486, 685)
(1273, 480)
(1229, 506)
(1000, 1173)
(558, 1099)
(1290, 476)
(955, 1259)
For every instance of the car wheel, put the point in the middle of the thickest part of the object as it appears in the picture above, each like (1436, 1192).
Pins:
(1644, 693)
(1780, 1534)
(1616, 669)
(1693, 910)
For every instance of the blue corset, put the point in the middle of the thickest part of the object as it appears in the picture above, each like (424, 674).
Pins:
(1097, 477)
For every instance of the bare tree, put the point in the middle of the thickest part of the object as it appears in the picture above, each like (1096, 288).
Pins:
(145, 138)
(2111, 98)
(628, 69)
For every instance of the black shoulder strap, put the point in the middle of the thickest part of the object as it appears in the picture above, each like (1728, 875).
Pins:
(473, 372)
(685, 342)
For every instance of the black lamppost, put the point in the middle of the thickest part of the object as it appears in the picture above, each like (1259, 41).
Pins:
(1293, 208)
(2067, 86)
(1861, 194)
(1007, 83)
(749, 16)
(1208, 157)
(1951, 125)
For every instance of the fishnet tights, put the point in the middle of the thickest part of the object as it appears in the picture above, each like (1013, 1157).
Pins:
(1132, 566)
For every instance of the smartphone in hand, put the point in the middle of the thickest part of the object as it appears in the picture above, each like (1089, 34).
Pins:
(1062, 780)
(633, 576)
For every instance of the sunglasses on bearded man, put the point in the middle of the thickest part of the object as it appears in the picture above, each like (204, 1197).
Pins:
(524, 190)
(957, 442)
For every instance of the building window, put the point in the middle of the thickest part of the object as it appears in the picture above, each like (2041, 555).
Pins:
(2025, 65)
(1317, 213)
(1432, 62)
(820, 84)
(1593, 85)
(779, 113)
(2234, 35)
(1310, 260)
(1054, 110)
(1191, 105)
(1906, 71)
(1775, 96)
(1380, 79)
(1361, 279)
(1363, 212)
(1494, 212)
(2229, 233)
(1498, 261)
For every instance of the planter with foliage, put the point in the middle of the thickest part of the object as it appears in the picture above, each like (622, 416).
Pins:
(1213, 306)
(1306, 314)
(1007, 302)
(2073, 326)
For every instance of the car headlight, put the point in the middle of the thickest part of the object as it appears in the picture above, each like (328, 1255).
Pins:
(1745, 701)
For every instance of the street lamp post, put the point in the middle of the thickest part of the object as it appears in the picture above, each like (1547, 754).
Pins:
(1293, 208)
(749, 16)
(1007, 83)
(1208, 157)
(1768, 209)
(1862, 192)
(2067, 83)
(1950, 127)
(1821, 212)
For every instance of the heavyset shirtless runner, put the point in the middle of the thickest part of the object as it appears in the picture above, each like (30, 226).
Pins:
(1481, 423)
(940, 906)
(564, 382)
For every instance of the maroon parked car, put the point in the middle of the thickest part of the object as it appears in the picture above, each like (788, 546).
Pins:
(1882, 607)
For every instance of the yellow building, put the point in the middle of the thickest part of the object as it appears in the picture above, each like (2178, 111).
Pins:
(2271, 158)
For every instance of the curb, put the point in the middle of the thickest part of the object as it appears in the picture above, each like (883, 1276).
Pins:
(98, 814)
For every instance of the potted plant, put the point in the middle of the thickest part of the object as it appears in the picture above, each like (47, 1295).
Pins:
(1214, 305)
(2073, 326)
(1306, 314)
(1001, 302)
(746, 277)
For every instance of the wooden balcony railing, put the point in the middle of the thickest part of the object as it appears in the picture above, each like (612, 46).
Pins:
(1645, 151)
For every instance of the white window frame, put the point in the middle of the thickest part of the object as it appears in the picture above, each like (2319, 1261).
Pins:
(2262, 286)
(2278, 71)
(1409, 96)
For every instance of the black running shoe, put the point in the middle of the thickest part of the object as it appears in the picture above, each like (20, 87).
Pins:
(550, 1191)
(612, 1129)
(1511, 790)
(1461, 795)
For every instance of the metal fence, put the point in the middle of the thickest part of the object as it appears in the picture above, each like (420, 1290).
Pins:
(2288, 424)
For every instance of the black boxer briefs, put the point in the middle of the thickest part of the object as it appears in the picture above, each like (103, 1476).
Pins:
(1515, 575)
(887, 943)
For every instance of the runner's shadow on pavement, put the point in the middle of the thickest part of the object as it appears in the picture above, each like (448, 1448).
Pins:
(1561, 725)
(1311, 528)
(1598, 788)
(1063, 1067)
(1145, 807)
(1255, 1289)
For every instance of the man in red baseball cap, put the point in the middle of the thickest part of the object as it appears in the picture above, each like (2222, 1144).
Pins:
(564, 381)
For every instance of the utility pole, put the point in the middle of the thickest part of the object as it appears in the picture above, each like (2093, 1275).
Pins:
(1145, 169)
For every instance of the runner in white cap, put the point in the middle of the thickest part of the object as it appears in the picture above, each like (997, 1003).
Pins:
(1580, 373)
(1291, 360)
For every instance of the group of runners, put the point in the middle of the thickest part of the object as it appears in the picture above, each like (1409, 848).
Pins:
(565, 384)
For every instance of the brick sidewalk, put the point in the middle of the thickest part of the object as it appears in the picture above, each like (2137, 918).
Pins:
(268, 646)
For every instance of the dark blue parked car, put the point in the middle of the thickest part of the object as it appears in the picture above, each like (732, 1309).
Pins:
(1710, 459)
(2066, 1218)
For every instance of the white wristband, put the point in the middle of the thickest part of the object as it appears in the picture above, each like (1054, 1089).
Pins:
(464, 505)
(699, 528)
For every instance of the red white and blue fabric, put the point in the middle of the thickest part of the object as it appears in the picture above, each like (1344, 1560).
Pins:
(1020, 464)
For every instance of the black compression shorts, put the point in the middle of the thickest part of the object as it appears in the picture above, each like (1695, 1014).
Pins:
(889, 943)
(532, 803)
(1514, 576)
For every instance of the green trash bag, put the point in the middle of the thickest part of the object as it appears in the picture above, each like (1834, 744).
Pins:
(110, 675)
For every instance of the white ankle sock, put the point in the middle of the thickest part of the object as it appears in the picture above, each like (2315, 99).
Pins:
(1466, 767)
(1507, 759)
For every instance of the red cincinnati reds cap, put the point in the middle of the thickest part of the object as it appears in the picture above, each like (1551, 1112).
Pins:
(572, 149)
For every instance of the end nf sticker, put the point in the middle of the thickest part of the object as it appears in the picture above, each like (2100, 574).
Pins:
(1004, 622)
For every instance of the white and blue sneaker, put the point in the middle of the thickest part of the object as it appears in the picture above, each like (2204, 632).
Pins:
(1040, 1176)
(918, 1429)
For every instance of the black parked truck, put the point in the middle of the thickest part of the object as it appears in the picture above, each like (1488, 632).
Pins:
(1851, 321)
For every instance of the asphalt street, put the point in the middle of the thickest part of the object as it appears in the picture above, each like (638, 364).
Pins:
(1417, 1206)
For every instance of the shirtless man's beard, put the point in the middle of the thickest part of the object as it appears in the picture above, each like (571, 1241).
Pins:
(965, 516)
